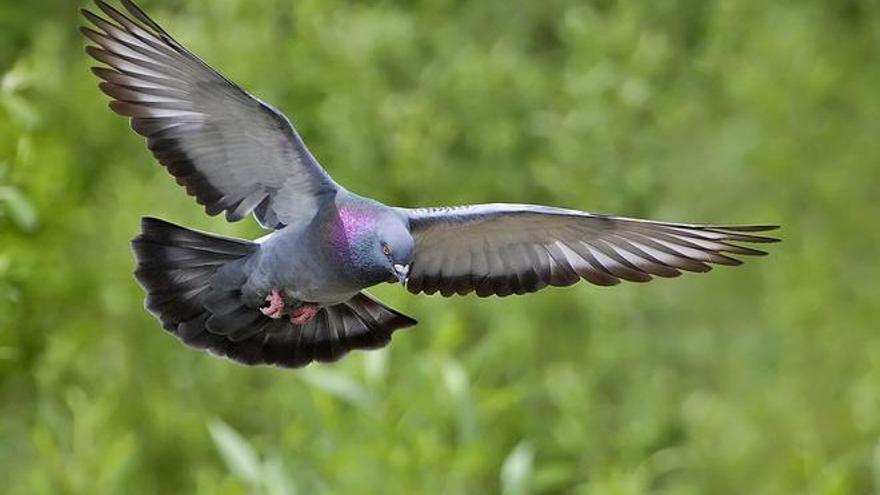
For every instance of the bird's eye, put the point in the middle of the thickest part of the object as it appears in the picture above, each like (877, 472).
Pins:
(386, 249)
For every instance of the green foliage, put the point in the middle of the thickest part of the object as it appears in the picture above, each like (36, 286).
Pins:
(760, 379)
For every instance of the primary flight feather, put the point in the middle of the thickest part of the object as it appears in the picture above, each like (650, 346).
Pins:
(297, 296)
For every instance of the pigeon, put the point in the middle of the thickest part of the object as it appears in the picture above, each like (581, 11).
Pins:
(298, 295)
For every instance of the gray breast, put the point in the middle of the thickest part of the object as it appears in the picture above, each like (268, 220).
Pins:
(294, 260)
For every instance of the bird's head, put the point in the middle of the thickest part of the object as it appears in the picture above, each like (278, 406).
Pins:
(396, 245)
(372, 244)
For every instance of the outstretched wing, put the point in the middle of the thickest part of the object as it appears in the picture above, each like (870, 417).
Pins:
(231, 151)
(503, 249)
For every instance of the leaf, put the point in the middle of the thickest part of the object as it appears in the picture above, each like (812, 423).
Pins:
(239, 455)
(339, 385)
(275, 478)
(516, 471)
(21, 111)
(376, 366)
(457, 383)
(19, 208)
(455, 379)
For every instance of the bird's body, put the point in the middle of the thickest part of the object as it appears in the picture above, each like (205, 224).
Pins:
(315, 260)
(297, 294)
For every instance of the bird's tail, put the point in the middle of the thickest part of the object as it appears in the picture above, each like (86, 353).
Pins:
(193, 283)
(178, 268)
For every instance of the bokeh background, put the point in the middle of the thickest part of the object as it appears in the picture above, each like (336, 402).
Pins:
(761, 379)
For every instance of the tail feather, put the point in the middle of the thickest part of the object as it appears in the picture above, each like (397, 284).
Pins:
(236, 325)
(178, 268)
(359, 323)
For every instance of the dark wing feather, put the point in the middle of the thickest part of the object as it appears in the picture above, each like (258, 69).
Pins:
(230, 150)
(502, 249)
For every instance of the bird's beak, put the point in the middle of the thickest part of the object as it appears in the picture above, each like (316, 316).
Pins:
(401, 272)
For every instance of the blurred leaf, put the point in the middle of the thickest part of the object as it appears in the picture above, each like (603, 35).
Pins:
(516, 472)
(338, 385)
(455, 378)
(238, 454)
(15, 79)
(457, 383)
(20, 110)
(276, 479)
(19, 208)
(376, 366)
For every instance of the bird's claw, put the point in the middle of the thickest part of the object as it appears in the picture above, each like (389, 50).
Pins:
(304, 313)
(275, 309)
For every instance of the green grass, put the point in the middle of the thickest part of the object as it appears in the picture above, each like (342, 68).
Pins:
(763, 379)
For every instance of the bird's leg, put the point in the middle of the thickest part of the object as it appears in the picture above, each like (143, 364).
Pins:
(304, 313)
(275, 309)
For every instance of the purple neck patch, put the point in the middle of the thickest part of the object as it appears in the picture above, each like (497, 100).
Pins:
(347, 230)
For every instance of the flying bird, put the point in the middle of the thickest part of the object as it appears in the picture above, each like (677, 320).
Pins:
(298, 294)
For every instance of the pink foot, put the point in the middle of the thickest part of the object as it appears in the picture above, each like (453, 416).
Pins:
(276, 305)
(304, 313)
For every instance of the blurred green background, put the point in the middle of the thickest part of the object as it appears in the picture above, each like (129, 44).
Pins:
(762, 379)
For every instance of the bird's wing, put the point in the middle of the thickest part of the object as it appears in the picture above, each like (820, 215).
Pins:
(503, 249)
(230, 151)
